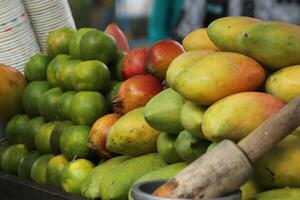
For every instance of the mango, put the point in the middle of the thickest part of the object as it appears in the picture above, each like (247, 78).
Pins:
(274, 44)
(184, 61)
(90, 188)
(166, 147)
(296, 131)
(279, 194)
(162, 112)
(285, 83)
(189, 147)
(235, 116)
(116, 184)
(279, 168)
(224, 31)
(191, 118)
(249, 190)
(131, 135)
(219, 75)
(198, 40)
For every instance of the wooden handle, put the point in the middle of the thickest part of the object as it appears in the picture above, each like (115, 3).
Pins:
(272, 131)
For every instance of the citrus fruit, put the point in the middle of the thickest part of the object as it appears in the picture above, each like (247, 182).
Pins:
(25, 164)
(64, 74)
(32, 95)
(36, 68)
(32, 128)
(39, 169)
(53, 66)
(48, 104)
(3, 147)
(57, 131)
(74, 142)
(54, 170)
(91, 76)
(15, 129)
(63, 107)
(11, 158)
(42, 138)
(58, 41)
(87, 106)
(74, 174)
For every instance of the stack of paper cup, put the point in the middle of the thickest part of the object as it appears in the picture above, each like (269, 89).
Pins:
(48, 15)
(17, 39)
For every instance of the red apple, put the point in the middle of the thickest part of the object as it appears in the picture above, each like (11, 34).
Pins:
(136, 92)
(160, 55)
(114, 30)
(98, 135)
(134, 63)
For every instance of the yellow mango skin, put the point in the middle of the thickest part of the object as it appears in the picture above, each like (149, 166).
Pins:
(279, 194)
(285, 83)
(218, 75)
(274, 44)
(184, 61)
(224, 31)
(131, 135)
(280, 167)
(198, 40)
(235, 116)
(249, 190)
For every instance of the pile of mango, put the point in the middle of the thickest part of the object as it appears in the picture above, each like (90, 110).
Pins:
(98, 117)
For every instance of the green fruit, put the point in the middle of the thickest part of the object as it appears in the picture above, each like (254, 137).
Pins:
(249, 190)
(74, 174)
(36, 68)
(3, 147)
(57, 131)
(48, 104)
(162, 112)
(31, 130)
(257, 40)
(54, 170)
(74, 142)
(116, 66)
(64, 74)
(166, 148)
(90, 188)
(11, 158)
(39, 169)
(191, 118)
(53, 66)
(91, 76)
(86, 107)
(279, 194)
(58, 41)
(32, 95)
(74, 45)
(42, 138)
(117, 182)
(131, 135)
(97, 45)
(25, 164)
(64, 105)
(15, 129)
(113, 92)
(189, 147)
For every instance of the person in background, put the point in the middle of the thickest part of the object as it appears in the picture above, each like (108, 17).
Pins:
(176, 18)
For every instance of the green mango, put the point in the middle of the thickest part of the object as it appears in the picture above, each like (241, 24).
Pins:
(90, 188)
(166, 148)
(191, 118)
(131, 135)
(279, 194)
(117, 182)
(249, 190)
(189, 147)
(162, 112)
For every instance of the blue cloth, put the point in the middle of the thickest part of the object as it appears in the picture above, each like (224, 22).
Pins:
(163, 18)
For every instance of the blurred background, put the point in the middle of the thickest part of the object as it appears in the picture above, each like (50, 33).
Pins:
(146, 21)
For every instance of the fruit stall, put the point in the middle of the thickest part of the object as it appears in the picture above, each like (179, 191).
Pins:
(84, 116)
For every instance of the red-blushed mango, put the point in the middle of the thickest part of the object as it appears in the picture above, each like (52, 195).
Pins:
(198, 40)
(218, 75)
(274, 44)
(184, 61)
(235, 116)
(224, 31)
(285, 83)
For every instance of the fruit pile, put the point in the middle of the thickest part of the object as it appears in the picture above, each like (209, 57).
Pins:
(100, 117)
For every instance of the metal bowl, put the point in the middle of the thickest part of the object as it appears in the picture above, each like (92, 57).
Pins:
(143, 191)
